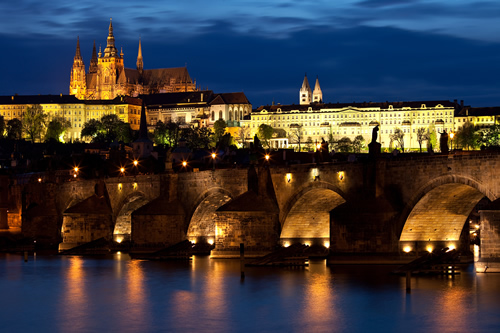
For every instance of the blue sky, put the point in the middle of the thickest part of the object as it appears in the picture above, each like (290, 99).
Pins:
(368, 50)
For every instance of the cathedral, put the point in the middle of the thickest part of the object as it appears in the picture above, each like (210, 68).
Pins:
(107, 77)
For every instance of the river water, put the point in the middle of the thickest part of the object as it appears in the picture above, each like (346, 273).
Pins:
(117, 294)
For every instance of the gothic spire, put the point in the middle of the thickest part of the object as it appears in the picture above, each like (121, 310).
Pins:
(93, 61)
(110, 50)
(140, 63)
(78, 55)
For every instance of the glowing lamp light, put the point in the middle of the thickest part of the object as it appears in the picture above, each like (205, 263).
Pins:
(134, 186)
(75, 169)
(307, 243)
(429, 249)
(211, 241)
(407, 249)
(267, 157)
(120, 186)
(119, 239)
(326, 244)
(193, 241)
(39, 180)
(286, 244)
(122, 169)
(288, 177)
(476, 226)
(184, 163)
(318, 146)
(213, 155)
(341, 175)
(74, 176)
(451, 247)
(136, 162)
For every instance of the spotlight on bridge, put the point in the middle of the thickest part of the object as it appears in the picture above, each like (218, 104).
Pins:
(326, 244)
(407, 249)
(451, 247)
(341, 175)
(429, 248)
(211, 241)
(286, 244)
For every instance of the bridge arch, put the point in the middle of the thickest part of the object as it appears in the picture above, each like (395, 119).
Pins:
(201, 218)
(123, 218)
(306, 216)
(436, 215)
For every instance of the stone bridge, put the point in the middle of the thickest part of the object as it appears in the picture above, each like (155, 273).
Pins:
(383, 205)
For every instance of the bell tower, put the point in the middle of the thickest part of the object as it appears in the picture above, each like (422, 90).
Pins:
(109, 67)
(78, 84)
(317, 93)
(305, 93)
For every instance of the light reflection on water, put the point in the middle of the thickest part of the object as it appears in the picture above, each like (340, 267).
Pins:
(116, 294)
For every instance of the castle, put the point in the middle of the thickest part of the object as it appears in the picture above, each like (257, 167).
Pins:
(107, 77)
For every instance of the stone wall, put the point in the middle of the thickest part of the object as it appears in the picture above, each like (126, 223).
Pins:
(490, 234)
(258, 231)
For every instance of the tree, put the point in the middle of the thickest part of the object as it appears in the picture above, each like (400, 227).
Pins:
(2, 127)
(110, 127)
(14, 129)
(33, 122)
(432, 136)
(358, 143)
(467, 136)
(398, 137)
(219, 129)
(197, 137)
(56, 128)
(422, 136)
(242, 135)
(309, 143)
(265, 133)
(344, 145)
(295, 134)
(160, 133)
(91, 128)
(490, 137)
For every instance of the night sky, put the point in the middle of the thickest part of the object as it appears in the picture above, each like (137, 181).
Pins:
(368, 50)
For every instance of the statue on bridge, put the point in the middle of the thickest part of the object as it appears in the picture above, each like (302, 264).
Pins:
(443, 142)
(374, 146)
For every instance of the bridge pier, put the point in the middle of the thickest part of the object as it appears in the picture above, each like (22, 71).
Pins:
(489, 259)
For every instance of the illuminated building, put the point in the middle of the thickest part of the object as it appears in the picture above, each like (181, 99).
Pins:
(107, 77)
(76, 111)
(332, 121)
(482, 117)
(199, 107)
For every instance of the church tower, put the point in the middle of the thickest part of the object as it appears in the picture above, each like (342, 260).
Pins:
(93, 61)
(305, 92)
(140, 63)
(317, 93)
(109, 67)
(77, 85)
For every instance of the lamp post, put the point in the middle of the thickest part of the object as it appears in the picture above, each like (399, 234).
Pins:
(214, 155)
(75, 174)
